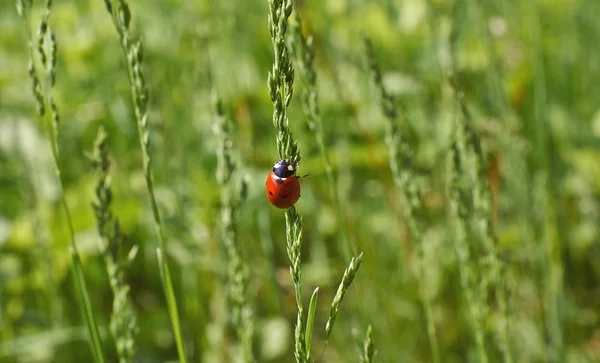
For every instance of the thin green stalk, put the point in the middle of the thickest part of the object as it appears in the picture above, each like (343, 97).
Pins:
(123, 321)
(347, 279)
(293, 226)
(304, 53)
(400, 161)
(132, 49)
(474, 200)
(461, 208)
(46, 47)
(310, 320)
(232, 196)
(543, 211)
(466, 198)
(459, 213)
(280, 82)
(499, 105)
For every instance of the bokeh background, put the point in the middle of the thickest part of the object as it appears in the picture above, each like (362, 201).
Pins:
(531, 76)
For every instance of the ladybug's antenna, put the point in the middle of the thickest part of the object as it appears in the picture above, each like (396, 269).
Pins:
(305, 175)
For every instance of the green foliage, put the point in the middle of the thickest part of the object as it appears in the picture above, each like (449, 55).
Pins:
(467, 176)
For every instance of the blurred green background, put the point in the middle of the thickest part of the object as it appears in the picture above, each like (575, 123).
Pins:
(531, 76)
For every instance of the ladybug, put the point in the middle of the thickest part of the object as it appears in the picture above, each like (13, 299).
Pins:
(283, 187)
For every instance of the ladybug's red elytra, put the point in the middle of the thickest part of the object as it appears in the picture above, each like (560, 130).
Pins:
(283, 187)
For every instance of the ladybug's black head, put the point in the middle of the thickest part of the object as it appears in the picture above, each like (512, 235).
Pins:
(284, 169)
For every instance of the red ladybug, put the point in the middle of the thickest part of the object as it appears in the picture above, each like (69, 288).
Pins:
(283, 187)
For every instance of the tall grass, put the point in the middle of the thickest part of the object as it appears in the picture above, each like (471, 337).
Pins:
(304, 54)
(233, 193)
(280, 83)
(470, 206)
(543, 211)
(46, 46)
(132, 50)
(485, 124)
(400, 163)
(123, 321)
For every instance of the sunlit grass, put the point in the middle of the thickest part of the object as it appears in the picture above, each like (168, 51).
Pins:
(462, 181)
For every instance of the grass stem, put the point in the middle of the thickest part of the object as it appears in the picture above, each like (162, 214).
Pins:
(46, 46)
(133, 52)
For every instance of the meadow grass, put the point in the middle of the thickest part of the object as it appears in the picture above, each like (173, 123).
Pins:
(400, 162)
(46, 47)
(457, 172)
(280, 83)
(132, 49)
(123, 322)
(233, 193)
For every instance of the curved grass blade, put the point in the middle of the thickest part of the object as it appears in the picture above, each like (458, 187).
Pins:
(310, 320)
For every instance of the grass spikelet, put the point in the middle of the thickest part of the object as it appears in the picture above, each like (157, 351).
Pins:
(132, 49)
(467, 149)
(293, 226)
(470, 212)
(459, 212)
(347, 279)
(46, 47)
(232, 195)
(280, 81)
(404, 179)
(369, 352)
(123, 321)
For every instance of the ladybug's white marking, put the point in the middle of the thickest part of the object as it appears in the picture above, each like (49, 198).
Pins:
(290, 168)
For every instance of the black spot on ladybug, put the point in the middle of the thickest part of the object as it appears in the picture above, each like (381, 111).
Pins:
(284, 196)
(279, 181)
(270, 193)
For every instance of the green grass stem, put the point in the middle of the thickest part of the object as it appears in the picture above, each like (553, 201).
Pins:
(400, 161)
(233, 193)
(543, 211)
(123, 321)
(304, 53)
(46, 46)
(347, 278)
(132, 49)
(280, 82)
(474, 201)
(310, 321)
